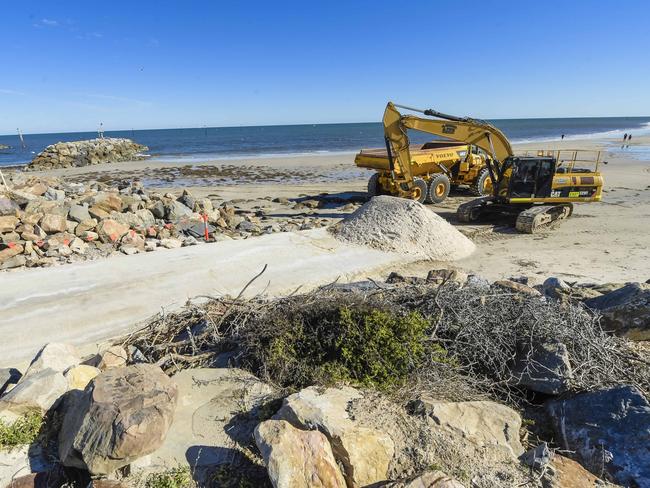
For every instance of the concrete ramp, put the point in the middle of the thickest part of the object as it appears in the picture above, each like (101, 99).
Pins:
(86, 303)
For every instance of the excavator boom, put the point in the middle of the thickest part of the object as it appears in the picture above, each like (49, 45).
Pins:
(462, 129)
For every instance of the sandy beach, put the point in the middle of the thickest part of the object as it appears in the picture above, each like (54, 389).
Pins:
(601, 242)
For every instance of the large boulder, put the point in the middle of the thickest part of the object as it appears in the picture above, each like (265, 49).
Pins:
(217, 412)
(54, 356)
(625, 311)
(297, 458)
(609, 430)
(543, 367)
(365, 453)
(122, 415)
(37, 390)
(487, 425)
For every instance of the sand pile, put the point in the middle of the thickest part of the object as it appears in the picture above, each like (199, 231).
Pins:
(405, 226)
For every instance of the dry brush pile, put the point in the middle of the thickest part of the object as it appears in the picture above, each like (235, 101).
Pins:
(455, 343)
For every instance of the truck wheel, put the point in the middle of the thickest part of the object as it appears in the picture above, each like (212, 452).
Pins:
(438, 188)
(420, 190)
(482, 185)
(374, 187)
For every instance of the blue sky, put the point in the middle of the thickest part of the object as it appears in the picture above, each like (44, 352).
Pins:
(67, 66)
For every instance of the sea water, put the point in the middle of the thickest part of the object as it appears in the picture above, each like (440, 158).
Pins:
(238, 142)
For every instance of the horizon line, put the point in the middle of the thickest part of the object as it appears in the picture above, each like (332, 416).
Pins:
(305, 124)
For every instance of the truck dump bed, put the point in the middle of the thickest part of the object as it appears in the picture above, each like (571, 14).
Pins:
(426, 157)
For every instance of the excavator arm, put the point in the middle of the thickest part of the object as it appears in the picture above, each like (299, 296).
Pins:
(466, 130)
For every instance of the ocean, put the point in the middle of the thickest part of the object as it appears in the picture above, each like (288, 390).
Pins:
(200, 144)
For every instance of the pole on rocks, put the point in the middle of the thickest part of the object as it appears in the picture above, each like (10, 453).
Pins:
(4, 182)
(206, 231)
(22, 140)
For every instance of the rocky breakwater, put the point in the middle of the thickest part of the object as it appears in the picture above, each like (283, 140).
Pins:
(86, 153)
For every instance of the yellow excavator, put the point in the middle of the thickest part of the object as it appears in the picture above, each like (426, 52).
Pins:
(537, 190)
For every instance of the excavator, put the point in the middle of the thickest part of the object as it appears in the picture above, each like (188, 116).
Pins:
(537, 190)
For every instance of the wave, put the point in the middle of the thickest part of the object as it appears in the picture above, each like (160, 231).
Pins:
(643, 130)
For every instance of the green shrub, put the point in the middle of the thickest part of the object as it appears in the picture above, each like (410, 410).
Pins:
(361, 345)
(22, 431)
(174, 478)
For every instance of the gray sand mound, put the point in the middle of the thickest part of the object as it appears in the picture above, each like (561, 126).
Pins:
(404, 226)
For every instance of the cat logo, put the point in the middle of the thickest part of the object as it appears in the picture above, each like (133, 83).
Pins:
(448, 129)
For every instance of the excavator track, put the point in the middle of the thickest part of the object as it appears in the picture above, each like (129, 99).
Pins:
(467, 212)
(542, 217)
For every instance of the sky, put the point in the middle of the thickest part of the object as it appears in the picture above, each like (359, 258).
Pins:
(71, 65)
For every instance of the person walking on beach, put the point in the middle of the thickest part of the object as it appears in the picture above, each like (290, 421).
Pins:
(625, 137)
(629, 137)
(562, 136)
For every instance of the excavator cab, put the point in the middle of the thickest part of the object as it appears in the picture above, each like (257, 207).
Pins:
(531, 177)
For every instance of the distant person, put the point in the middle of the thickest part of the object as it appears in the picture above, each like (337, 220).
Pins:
(562, 136)
(629, 137)
(625, 137)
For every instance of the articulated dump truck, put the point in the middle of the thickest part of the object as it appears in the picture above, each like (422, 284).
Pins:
(436, 166)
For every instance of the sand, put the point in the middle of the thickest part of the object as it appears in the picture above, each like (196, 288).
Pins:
(402, 226)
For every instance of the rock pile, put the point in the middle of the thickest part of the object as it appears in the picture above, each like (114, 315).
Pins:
(86, 153)
(405, 226)
(46, 221)
(119, 415)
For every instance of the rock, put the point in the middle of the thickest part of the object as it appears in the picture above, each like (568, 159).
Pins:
(485, 424)
(79, 376)
(430, 479)
(609, 430)
(113, 357)
(8, 223)
(8, 377)
(394, 278)
(20, 462)
(78, 246)
(296, 458)
(13, 262)
(364, 453)
(171, 243)
(157, 209)
(175, 210)
(79, 213)
(98, 213)
(110, 231)
(122, 415)
(538, 457)
(39, 390)
(566, 473)
(84, 153)
(54, 194)
(132, 240)
(54, 356)
(476, 281)
(447, 275)
(217, 411)
(53, 223)
(10, 251)
(544, 368)
(625, 311)
(109, 202)
(8, 206)
(146, 217)
(555, 288)
(517, 287)
(85, 226)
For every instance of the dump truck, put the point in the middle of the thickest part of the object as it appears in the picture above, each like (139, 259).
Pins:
(437, 167)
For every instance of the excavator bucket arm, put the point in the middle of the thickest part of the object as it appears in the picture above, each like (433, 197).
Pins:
(466, 130)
